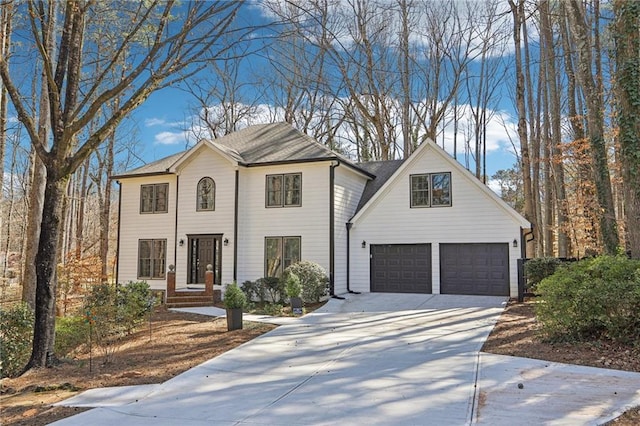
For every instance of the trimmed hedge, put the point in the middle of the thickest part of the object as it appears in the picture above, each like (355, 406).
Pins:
(597, 298)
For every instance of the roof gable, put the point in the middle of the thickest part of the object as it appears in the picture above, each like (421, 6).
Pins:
(429, 146)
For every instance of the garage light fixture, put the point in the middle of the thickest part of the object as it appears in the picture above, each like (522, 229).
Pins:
(364, 244)
(515, 242)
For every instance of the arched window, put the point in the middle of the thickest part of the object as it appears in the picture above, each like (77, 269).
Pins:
(206, 195)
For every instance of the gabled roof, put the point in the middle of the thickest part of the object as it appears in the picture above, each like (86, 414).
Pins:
(382, 170)
(453, 163)
(257, 145)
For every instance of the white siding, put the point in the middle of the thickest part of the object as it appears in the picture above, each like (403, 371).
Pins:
(473, 217)
(310, 221)
(206, 163)
(348, 187)
(135, 226)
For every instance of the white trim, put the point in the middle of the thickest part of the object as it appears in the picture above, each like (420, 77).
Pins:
(209, 144)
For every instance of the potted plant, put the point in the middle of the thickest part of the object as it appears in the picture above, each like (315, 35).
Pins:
(293, 289)
(234, 300)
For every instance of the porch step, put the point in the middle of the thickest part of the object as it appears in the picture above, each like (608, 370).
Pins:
(189, 299)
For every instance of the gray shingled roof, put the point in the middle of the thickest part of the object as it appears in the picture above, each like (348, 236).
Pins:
(382, 170)
(259, 144)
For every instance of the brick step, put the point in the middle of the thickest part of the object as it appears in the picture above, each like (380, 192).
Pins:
(183, 304)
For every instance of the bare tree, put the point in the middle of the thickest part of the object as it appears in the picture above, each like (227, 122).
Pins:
(159, 47)
(580, 31)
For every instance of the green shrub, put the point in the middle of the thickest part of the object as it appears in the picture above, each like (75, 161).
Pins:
(273, 288)
(71, 332)
(234, 298)
(591, 299)
(535, 270)
(292, 285)
(253, 290)
(273, 309)
(115, 310)
(16, 334)
(313, 279)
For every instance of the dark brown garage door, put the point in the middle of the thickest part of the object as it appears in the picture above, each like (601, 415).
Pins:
(481, 269)
(401, 268)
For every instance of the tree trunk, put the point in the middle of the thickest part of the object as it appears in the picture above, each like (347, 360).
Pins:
(556, 129)
(529, 214)
(595, 120)
(46, 262)
(627, 37)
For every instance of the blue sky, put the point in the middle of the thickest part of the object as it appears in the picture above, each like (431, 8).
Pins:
(162, 122)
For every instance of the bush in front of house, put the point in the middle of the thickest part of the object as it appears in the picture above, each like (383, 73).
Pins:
(254, 291)
(273, 287)
(535, 270)
(115, 310)
(234, 297)
(313, 278)
(597, 298)
(16, 334)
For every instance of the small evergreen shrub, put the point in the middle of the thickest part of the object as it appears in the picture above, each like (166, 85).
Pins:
(592, 299)
(234, 298)
(16, 334)
(115, 310)
(313, 278)
(273, 309)
(292, 285)
(71, 332)
(272, 287)
(535, 270)
(253, 290)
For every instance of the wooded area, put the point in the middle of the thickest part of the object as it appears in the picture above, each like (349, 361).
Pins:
(369, 78)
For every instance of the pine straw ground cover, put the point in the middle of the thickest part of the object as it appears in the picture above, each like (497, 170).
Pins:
(517, 334)
(180, 341)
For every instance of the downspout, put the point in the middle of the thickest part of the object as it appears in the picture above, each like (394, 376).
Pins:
(235, 231)
(349, 225)
(175, 229)
(332, 220)
(524, 241)
(119, 222)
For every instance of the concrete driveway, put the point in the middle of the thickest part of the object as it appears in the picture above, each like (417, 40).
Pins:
(371, 359)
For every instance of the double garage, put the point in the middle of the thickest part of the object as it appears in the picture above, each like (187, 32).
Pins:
(465, 268)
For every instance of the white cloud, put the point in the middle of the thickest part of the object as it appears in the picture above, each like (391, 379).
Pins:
(171, 138)
(151, 122)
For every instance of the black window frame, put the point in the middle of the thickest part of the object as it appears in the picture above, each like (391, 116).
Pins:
(285, 262)
(430, 190)
(152, 260)
(283, 191)
(199, 195)
(154, 198)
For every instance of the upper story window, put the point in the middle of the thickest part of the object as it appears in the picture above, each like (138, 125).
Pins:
(154, 198)
(431, 190)
(206, 195)
(284, 190)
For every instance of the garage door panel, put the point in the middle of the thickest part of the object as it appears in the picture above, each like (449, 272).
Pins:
(474, 268)
(401, 268)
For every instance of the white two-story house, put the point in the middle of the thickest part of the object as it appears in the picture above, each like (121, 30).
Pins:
(255, 201)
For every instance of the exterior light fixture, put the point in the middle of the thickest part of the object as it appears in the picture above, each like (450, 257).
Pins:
(181, 242)
(226, 242)
(515, 242)
(364, 244)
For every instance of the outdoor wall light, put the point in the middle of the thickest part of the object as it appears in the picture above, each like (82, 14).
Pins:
(515, 242)
(226, 242)
(364, 244)
(181, 242)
